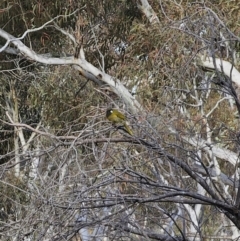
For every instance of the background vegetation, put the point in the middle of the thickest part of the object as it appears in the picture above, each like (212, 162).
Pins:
(68, 174)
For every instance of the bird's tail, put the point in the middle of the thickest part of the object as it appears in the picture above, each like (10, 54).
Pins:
(128, 129)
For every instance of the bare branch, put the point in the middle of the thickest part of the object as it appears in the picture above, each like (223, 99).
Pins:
(222, 66)
(86, 69)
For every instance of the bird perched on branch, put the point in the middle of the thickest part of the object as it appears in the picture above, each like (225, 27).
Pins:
(116, 117)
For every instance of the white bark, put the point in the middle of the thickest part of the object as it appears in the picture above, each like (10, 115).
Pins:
(90, 71)
(35, 162)
(193, 225)
(219, 152)
(223, 66)
(194, 214)
(148, 11)
(85, 68)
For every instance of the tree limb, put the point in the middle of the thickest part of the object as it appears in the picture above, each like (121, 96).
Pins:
(86, 69)
(222, 66)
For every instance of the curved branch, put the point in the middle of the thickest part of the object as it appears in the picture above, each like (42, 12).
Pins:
(219, 152)
(222, 66)
(86, 69)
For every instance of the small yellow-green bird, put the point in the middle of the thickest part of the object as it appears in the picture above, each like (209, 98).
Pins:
(116, 117)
